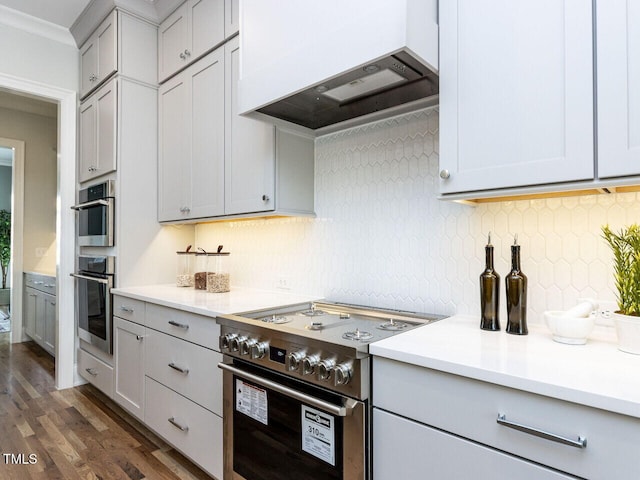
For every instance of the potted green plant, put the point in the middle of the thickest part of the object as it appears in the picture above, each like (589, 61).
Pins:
(5, 254)
(625, 246)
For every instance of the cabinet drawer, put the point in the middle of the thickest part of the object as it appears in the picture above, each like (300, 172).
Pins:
(196, 432)
(189, 369)
(96, 372)
(470, 408)
(410, 458)
(44, 283)
(129, 309)
(188, 326)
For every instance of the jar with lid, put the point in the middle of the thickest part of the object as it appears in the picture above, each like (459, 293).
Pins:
(200, 277)
(218, 271)
(184, 272)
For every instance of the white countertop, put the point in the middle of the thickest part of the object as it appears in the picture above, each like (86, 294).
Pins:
(596, 374)
(238, 300)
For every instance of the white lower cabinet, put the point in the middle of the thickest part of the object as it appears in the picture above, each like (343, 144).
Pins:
(167, 375)
(128, 357)
(404, 449)
(96, 372)
(467, 410)
(40, 317)
(191, 429)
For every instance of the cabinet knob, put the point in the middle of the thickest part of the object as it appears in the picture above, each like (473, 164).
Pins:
(187, 53)
(444, 174)
(265, 198)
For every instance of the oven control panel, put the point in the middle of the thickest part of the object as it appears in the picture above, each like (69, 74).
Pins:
(314, 362)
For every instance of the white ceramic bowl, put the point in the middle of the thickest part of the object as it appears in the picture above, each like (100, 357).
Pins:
(571, 330)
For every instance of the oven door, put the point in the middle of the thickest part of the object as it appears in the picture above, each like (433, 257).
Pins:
(276, 427)
(95, 223)
(93, 302)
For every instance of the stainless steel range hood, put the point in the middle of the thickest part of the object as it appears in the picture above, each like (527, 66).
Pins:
(324, 72)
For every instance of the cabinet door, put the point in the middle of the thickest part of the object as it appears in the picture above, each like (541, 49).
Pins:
(618, 31)
(425, 452)
(106, 128)
(49, 313)
(173, 39)
(231, 17)
(129, 365)
(249, 165)
(30, 298)
(174, 155)
(88, 66)
(107, 39)
(88, 147)
(516, 93)
(206, 189)
(206, 18)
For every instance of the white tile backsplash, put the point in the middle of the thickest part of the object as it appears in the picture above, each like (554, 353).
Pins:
(382, 237)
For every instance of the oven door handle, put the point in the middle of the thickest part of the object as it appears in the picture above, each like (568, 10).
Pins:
(93, 203)
(337, 410)
(93, 279)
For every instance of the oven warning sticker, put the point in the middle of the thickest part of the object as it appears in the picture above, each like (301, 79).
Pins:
(318, 434)
(252, 401)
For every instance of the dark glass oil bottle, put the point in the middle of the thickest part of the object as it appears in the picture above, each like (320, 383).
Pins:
(489, 293)
(516, 283)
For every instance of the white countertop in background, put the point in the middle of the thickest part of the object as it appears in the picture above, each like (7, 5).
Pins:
(596, 374)
(238, 300)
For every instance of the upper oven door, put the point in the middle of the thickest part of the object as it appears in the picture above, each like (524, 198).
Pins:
(276, 427)
(95, 222)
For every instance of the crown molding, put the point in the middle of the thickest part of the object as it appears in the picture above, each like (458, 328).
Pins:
(36, 26)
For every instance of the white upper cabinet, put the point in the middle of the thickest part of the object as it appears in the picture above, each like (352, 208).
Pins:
(516, 93)
(196, 27)
(99, 55)
(618, 49)
(103, 53)
(250, 165)
(191, 154)
(98, 128)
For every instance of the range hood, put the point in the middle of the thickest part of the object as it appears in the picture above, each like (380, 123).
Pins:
(317, 70)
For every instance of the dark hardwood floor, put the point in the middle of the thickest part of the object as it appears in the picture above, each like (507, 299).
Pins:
(75, 433)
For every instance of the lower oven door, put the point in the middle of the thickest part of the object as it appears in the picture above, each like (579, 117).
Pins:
(279, 428)
(93, 308)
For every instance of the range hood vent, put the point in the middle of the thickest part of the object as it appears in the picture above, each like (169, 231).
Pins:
(396, 80)
(320, 71)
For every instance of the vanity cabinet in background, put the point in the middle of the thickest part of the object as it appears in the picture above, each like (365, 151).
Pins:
(40, 318)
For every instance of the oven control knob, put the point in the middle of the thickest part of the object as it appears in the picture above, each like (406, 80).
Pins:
(259, 350)
(324, 369)
(342, 374)
(225, 340)
(246, 345)
(293, 361)
(234, 343)
(309, 364)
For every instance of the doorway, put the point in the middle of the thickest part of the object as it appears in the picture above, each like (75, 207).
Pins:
(6, 182)
(64, 224)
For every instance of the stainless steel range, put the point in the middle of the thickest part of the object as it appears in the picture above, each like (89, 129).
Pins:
(296, 389)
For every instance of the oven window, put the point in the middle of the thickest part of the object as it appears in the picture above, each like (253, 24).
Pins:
(274, 450)
(92, 314)
(92, 221)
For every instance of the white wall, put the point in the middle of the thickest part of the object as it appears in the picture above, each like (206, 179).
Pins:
(40, 185)
(37, 58)
(382, 238)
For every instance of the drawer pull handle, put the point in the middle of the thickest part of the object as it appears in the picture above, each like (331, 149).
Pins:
(126, 309)
(173, 422)
(179, 369)
(179, 325)
(139, 337)
(580, 443)
(92, 371)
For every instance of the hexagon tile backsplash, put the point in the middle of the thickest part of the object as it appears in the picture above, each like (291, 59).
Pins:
(382, 238)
